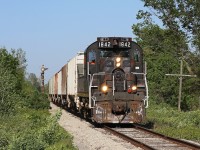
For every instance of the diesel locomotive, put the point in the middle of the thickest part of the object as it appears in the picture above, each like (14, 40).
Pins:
(106, 83)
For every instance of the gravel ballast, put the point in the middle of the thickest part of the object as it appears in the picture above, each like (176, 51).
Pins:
(87, 137)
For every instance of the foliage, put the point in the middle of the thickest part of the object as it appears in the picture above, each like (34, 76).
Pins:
(25, 121)
(19, 54)
(163, 48)
(31, 129)
(11, 79)
(171, 122)
(34, 81)
(14, 89)
(34, 99)
(8, 61)
(12, 63)
(8, 84)
(179, 16)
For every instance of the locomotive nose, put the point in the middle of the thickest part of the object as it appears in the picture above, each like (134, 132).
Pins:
(119, 108)
(119, 75)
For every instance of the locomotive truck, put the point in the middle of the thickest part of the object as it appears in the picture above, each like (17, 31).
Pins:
(106, 83)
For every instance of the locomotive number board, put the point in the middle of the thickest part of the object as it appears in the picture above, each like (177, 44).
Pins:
(125, 44)
(105, 44)
(114, 42)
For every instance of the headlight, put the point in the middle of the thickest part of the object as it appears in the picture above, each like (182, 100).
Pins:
(118, 59)
(118, 64)
(104, 88)
(134, 87)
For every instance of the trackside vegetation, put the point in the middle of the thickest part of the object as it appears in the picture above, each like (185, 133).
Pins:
(171, 122)
(25, 121)
(176, 37)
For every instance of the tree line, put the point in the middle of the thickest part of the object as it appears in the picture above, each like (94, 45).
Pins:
(177, 38)
(24, 111)
(16, 89)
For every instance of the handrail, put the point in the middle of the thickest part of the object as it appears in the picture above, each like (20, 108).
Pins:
(146, 99)
(90, 87)
(88, 68)
(113, 85)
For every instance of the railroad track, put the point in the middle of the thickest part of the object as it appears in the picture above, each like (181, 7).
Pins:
(149, 140)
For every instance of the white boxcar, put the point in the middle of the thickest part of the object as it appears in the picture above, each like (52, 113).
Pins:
(52, 88)
(60, 83)
(63, 85)
(55, 84)
(64, 80)
(73, 73)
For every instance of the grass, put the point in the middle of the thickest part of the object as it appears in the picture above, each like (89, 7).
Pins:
(171, 122)
(36, 129)
(33, 129)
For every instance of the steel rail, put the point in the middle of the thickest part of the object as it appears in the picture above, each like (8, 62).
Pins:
(176, 141)
(127, 138)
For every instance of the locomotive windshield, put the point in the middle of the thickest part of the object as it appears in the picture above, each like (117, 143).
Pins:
(114, 53)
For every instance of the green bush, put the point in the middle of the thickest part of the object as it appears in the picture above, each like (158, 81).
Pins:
(36, 100)
(25, 122)
(3, 141)
(8, 90)
(26, 141)
(40, 133)
(171, 122)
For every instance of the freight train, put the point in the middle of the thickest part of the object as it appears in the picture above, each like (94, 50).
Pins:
(106, 83)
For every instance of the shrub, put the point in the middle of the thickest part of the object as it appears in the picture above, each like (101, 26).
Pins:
(37, 100)
(3, 142)
(38, 137)
(8, 94)
(171, 122)
(27, 140)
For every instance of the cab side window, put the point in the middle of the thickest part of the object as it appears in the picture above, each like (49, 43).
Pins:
(92, 57)
(137, 55)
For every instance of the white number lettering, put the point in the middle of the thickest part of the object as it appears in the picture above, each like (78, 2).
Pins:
(126, 44)
(101, 44)
(108, 44)
(104, 44)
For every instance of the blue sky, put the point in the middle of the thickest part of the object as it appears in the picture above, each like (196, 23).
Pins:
(52, 31)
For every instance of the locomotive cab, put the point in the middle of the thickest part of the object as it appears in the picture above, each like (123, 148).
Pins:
(114, 86)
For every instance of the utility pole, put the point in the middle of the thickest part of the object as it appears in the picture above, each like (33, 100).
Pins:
(43, 69)
(181, 75)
